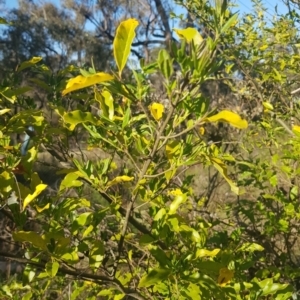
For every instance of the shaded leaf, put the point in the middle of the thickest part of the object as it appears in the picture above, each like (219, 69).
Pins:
(154, 276)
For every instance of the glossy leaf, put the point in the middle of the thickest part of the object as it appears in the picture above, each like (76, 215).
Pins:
(125, 35)
(70, 181)
(81, 82)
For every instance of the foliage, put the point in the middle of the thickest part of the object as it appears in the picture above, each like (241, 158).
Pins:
(131, 225)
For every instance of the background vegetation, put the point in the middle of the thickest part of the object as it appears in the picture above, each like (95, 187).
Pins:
(172, 175)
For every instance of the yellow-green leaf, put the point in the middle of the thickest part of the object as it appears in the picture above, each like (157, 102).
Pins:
(173, 149)
(40, 209)
(229, 117)
(4, 111)
(81, 82)
(76, 117)
(109, 102)
(179, 199)
(29, 63)
(204, 252)
(225, 276)
(157, 110)
(31, 237)
(221, 167)
(125, 35)
(70, 181)
(119, 179)
(189, 34)
(39, 188)
(268, 105)
(52, 268)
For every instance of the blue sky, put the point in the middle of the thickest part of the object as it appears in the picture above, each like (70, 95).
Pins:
(245, 5)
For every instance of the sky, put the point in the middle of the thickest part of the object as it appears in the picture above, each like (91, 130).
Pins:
(244, 5)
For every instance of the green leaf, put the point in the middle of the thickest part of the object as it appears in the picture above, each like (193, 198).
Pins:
(125, 35)
(250, 247)
(231, 22)
(109, 102)
(77, 117)
(52, 268)
(126, 117)
(146, 239)
(154, 276)
(70, 181)
(81, 82)
(165, 63)
(160, 256)
(30, 237)
(3, 21)
(221, 167)
(204, 252)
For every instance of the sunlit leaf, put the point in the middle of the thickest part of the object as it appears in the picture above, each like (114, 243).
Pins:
(229, 117)
(109, 102)
(189, 34)
(70, 181)
(39, 188)
(52, 268)
(119, 179)
(250, 247)
(4, 111)
(125, 35)
(81, 82)
(29, 63)
(204, 252)
(179, 199)
(76, 117)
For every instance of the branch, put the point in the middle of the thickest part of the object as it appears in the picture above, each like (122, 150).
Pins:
(78, 275)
